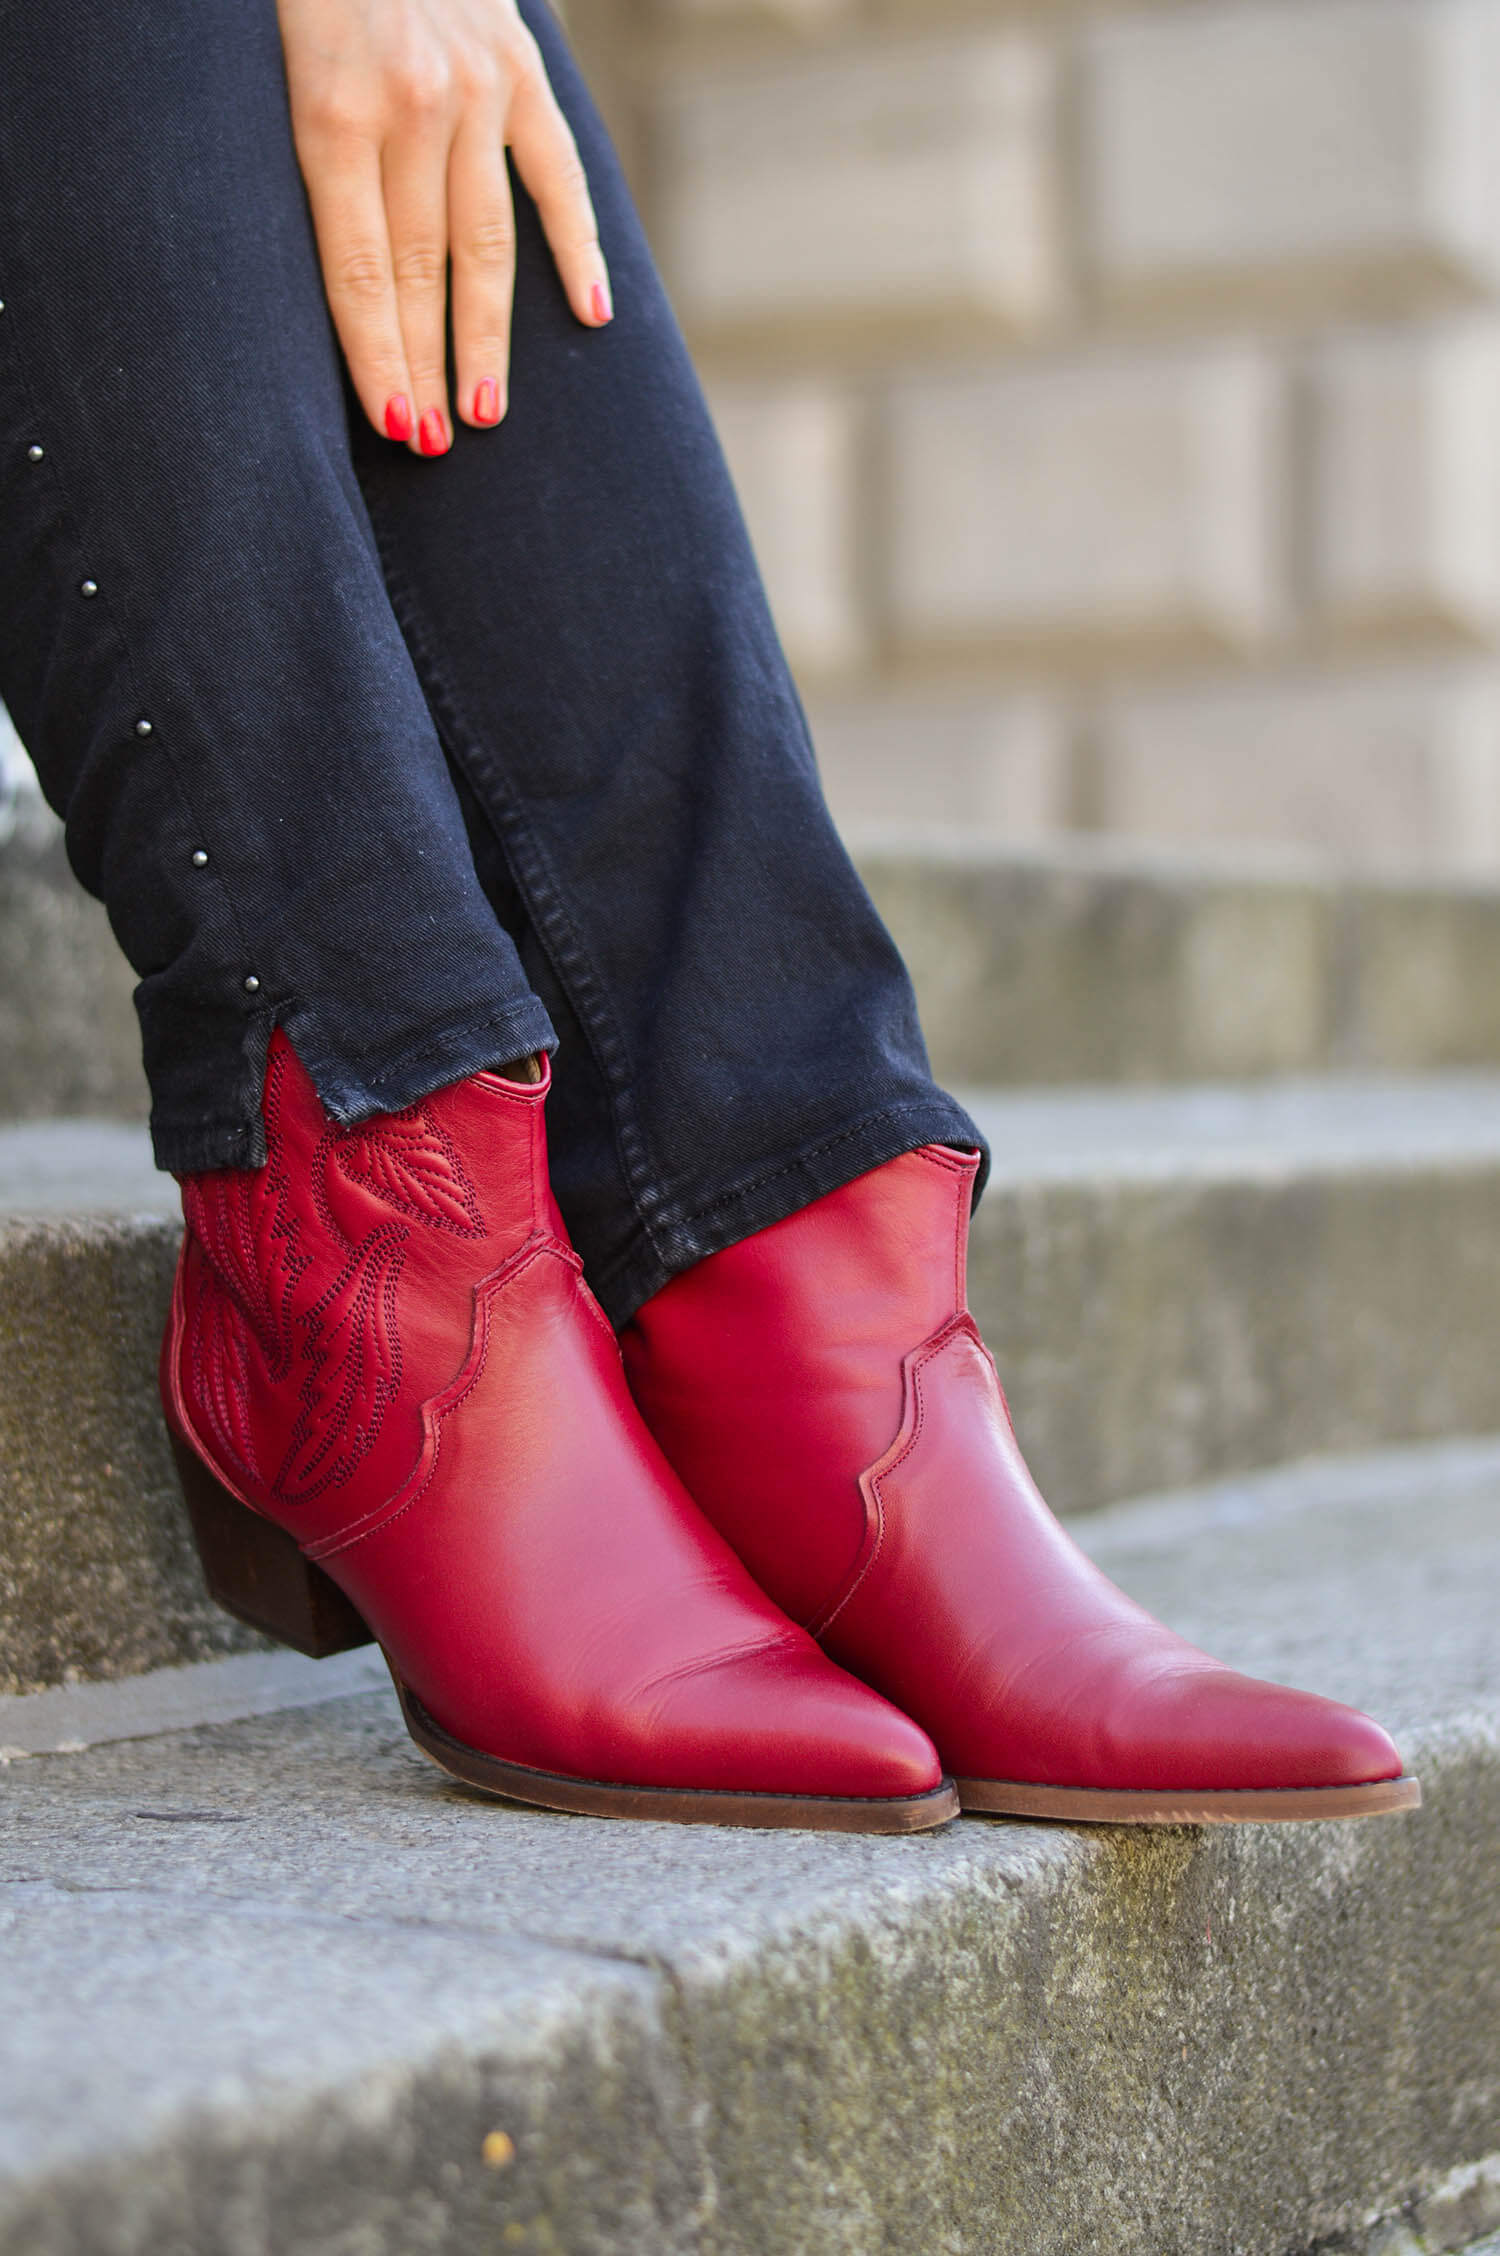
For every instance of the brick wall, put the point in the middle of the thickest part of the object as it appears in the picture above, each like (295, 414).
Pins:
(1114, 393)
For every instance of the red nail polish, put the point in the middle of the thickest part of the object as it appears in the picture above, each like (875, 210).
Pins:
(487, 401)
(603, 310)
(434, 438)
(398, 417)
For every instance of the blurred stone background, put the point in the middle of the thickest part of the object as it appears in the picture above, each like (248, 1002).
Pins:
(1114, 392)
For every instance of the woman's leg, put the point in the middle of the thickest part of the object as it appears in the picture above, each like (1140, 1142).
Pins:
(756, 1159)
(195, 638)
(745, 1108)
(397, 1410)
(581, 604)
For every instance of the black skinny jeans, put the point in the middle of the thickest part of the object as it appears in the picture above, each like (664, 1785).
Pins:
(430, 763)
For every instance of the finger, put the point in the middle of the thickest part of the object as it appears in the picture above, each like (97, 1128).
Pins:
(414, 167)
(548, 162)
(482, 226)
(348, 208)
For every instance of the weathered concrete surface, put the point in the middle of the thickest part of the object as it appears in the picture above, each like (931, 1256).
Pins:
(1180, 1285)
(69, 1042)
(97, 1572)
(270, 1987)
(1175, 1285)
(1095, 963)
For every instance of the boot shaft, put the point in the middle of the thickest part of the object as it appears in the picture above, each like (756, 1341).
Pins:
(321, 1300)
(821, 1308)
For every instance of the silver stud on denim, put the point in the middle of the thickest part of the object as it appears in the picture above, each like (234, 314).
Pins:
(143, 728)
(252, 985)
(2, 305)
(89, 587)
(200, 859)
(35, 453)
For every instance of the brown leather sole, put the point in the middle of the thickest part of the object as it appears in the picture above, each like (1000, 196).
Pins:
(672, 1805)
(1089, 1805)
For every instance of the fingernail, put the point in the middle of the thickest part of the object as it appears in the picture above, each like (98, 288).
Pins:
(487, 401)
(398, 416)
(599, 300)
(434, 438)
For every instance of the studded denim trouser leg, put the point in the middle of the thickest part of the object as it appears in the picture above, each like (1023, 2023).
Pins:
(475, 748)
(195, 638)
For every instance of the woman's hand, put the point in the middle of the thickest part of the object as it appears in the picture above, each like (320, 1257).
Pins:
(402, 111)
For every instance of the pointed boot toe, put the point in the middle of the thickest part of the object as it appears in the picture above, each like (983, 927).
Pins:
(823, 1393)
(833, 1738)
(1157, 1733)
(401, 1415)
(1213, 1723)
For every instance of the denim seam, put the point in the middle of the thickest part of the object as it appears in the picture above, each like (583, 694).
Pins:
(544, 901)
(198, 1126)
(811, 1151)
(450, 1034)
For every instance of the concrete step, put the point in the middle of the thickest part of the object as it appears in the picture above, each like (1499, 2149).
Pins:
(274, 1988)
(1080, 963)
(69, 1042)
(1179, 1283)
(98, 1576)
(1091, 961)
(1176, 1284)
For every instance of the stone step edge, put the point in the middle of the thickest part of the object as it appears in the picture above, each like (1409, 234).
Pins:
(717, 2008)
(1251, 865)
(71, 1718)
(1037, 966)
(1086, 966)
(75, 1170)
(315, 2137)
(1150, 1335)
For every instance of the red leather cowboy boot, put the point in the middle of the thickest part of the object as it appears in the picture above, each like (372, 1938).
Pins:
(824, 1394)
(399, 1413)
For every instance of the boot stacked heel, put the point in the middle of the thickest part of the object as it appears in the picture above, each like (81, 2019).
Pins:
(255, 1571)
